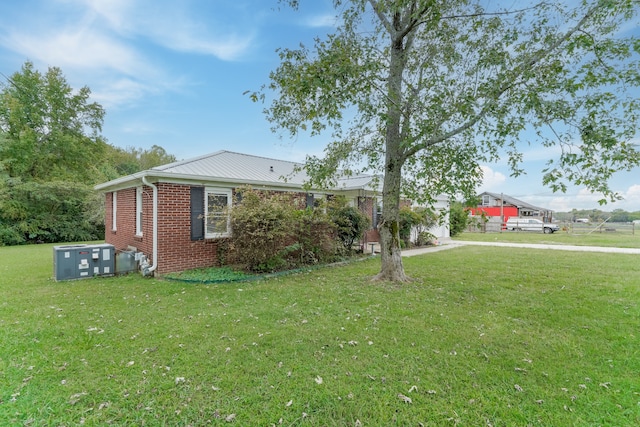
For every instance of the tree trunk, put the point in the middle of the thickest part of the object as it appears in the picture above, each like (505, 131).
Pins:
(391, 257)
(392, 268)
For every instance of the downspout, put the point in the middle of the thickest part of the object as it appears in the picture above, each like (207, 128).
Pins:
(146, 271)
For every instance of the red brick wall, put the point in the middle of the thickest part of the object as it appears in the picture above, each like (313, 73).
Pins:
(176, 251)
(125, 233)
(366, 205)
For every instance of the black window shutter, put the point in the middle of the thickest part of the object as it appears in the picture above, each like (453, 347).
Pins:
(310, 200)
(197, 213)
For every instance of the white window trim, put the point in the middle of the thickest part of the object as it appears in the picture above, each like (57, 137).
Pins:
(114, 206)
(138, 211)
(221, 191)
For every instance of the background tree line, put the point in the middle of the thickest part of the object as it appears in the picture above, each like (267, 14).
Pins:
(51, 155)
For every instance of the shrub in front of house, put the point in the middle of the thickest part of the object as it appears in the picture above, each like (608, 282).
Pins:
(272, 232)
(416, 221)
(458, 218)
(350, 224)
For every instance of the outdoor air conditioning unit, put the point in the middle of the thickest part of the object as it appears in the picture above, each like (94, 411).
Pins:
(83, 261)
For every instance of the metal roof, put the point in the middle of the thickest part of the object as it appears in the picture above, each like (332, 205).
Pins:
(236, 168)
(513, 201)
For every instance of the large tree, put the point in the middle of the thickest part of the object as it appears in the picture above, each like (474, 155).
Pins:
(51, 131)
(51, 154)
(423, 91)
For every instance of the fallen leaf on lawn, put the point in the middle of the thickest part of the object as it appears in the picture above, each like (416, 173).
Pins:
(319, 379)
(605, 385)
(413, 388)
(131, 363)
(76, 398)
(289, 403)
(517, 387)
(230, 418)
(179, 380)
(404, 398)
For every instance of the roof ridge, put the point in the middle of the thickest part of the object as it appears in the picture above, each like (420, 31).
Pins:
(217, 153)
(263, 157)
(187, 161)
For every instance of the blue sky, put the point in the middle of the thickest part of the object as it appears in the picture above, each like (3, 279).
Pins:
(173, 73)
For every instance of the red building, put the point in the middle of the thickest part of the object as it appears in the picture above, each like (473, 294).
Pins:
(498, 208)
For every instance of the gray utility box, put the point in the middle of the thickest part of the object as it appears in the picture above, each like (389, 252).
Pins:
(83, 261)
(126, 262)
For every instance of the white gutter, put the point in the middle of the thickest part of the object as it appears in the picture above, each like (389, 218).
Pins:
(148, 270)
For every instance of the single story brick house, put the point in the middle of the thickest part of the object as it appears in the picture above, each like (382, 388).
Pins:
(171, 213)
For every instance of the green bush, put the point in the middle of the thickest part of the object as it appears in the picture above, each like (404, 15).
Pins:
(47, 212)
(350, 224)
(420, 219)
(270, 232)
(458, 218)
(425, 238)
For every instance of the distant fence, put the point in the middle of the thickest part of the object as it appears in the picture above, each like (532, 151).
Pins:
(607, 227)
(630, 228)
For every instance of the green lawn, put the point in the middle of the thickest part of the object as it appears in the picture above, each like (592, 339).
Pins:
(621, 240)
(483, 336)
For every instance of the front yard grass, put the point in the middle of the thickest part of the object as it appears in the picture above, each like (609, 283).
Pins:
(483, 336)
(559, 238)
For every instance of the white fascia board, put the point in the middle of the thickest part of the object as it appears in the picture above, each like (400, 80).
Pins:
(133, 180)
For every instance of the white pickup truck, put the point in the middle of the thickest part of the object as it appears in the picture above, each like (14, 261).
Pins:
(530, 224)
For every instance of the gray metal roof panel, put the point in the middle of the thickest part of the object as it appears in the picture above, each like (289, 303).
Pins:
(231, 166)
(228, 166)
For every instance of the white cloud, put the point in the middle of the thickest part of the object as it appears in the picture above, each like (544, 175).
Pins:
(229, 48)
(171, 25)
(319, 21)
(632, 197)
(491, 180)
(77, 48)
(101, 44)
(122, 91)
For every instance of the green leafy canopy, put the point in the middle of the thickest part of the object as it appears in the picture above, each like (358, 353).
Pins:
(446, 85)
(436, 87)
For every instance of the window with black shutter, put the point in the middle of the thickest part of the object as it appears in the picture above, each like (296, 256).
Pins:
(197, 213)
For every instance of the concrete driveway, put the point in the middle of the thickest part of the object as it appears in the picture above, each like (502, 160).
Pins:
(458, 243)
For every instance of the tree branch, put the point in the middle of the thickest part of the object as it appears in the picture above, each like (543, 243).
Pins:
(525, 66)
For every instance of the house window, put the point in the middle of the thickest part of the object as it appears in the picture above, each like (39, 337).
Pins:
(138, 211)
(486, 200)
(114, 211)
(217, 205)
